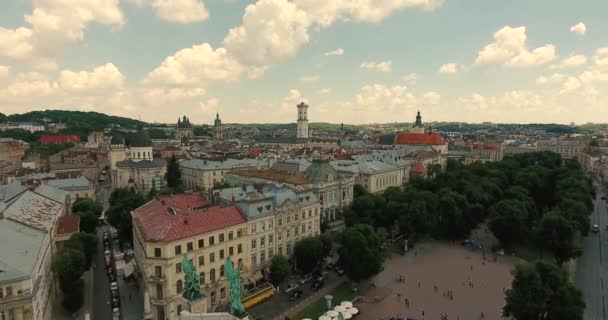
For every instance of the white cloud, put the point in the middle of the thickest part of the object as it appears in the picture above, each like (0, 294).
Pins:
(509, 47)
(571, 62)
(337, 52)
(325, 13)
(377, 97)
(53, 27)
(310, 78)
(579, 28)
(431, 97)
(571, 85)
(476, 102)
(4, 71)
(272, 32)
(195, 66)
(165, 97)
(552, 79)
(410, 78)
(99, 80)
(600, 59)
(448, 68)
(382, 66)
(325, 91)
(210, 106)
(179, 11)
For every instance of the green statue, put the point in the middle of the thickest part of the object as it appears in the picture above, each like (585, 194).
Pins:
(236, 289)
(193, 286)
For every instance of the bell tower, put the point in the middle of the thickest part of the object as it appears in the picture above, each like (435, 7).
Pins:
(302, 121)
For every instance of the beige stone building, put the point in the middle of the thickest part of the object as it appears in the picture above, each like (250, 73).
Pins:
(12, 151)
(204, 174)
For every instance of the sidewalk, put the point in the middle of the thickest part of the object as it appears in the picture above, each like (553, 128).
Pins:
(308, 301)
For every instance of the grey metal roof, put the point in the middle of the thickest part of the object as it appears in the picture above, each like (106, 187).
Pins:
(141, 139)
(227, 164)
(80, 183)
(34, 210)
(18, 261)
(117, 139)
(154, 163)
(8, 191)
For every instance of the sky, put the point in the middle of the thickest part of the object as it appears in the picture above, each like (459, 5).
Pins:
(352, 61)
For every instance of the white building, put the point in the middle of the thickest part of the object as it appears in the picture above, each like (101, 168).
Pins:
(302, 121)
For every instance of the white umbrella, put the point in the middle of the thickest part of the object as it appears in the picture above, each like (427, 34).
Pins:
(346, 304)
(352, 311)
(306, 319)
(324, 318)
(340, 308)
(335, 319)
(347, 315)
(332, 313)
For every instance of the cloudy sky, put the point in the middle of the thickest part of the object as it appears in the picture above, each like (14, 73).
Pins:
(353, 61)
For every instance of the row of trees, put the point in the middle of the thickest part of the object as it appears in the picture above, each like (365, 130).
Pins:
(526, 199)
(76, 254)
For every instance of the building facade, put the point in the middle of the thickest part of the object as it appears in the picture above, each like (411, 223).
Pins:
(302, 132)
(12, 151)
(141, 170)
(205, 174)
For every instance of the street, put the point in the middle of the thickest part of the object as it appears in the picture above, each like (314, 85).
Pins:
(101, 287)
(591, 275)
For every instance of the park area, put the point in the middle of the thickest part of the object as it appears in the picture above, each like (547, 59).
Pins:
(439, 279)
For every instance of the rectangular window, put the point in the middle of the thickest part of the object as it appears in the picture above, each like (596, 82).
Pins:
(295, 217)
(201, 243)
(263, 224)
(280, 236)
(239, 248)
(303, 215)
(239, 233)
(280, 221)
(270, 239)
(179, 308)
(201, 260)
(254, 259)
(280, 251)
(309, 213)
(253, 228)
(223, 293)
(231, 251)
(270, 253)
(157, 252)
(288, 233)
(221, 237)
(189, 246)
(270, 225)
(303, 228)
(262, 241)
(253, 243)
(230, 235)
(178, 267)
(288, 249)
(288, 219)
(178, 249)
(1, 293)
(222, 254)
(262, 257)
(211, 240)
(212, 257)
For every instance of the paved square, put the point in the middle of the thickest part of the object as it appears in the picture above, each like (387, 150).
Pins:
(430, 271)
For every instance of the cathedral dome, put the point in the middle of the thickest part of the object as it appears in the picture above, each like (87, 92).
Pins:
(141, 139)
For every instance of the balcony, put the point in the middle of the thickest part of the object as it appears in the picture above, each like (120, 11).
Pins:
(157, 278)
(15, 300)
(158, 301)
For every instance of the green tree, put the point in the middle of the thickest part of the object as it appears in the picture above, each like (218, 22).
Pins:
(508, 221)
(361, 252)
(557, 234)
(122, 202)
(88, 221)
(358, 190)
(69, 264)
(87, 204)
(543, 291)
(308, 253)
(279, 269)
(594, 142)
(85, 243)
(327, 243)
(174, 173)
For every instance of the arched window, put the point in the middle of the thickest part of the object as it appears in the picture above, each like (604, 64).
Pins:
(212, 275)
(179, 286)
(201, 278)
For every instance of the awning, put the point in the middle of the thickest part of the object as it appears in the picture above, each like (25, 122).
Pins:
(129, 268)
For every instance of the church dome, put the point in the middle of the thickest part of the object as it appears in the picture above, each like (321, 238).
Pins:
(141, 139)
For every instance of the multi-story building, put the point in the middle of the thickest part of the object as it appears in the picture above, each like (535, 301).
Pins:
(12, 151)
(29, 126)
(278, 217)
(484, 152)
(141, 170)
(77, 188)
(185, 130)
(333, 189)
(375, 176)
(218, 130)
(204, 174)
(29, 217)
(567, 149)
(170, 227)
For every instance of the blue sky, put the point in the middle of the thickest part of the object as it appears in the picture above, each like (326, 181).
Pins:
(455, 60)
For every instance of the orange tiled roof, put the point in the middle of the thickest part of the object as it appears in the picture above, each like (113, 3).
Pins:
(419, 139)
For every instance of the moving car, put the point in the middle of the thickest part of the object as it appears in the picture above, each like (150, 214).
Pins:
(306, 278)
(595, 228)
(340, 271)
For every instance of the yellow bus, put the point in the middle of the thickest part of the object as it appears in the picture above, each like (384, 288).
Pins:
(260, 294)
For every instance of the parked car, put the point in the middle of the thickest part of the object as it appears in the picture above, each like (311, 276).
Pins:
(595, 228)
(295, 295)
(340, 271)
(317, 285)
(291, 287)
(330, 266)
(115, 313)
(306, 278)
(114, 286)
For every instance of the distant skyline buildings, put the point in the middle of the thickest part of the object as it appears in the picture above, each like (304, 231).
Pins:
(357, 64)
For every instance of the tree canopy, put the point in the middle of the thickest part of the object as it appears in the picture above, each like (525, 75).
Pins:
(361, 252)
(279, 269)
(308, 253)
(122, 202)
(542, 291)
(174, 173)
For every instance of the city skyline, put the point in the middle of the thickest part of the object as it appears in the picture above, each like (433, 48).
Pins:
(254, 61)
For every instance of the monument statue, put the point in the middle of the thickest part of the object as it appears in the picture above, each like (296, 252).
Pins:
(193, 286)
(236, 289)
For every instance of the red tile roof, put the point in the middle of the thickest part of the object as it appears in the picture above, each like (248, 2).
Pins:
(419, 139)
(171, 218)
(68, 224)
(418, 169)
(56, 139)
(255, 152)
